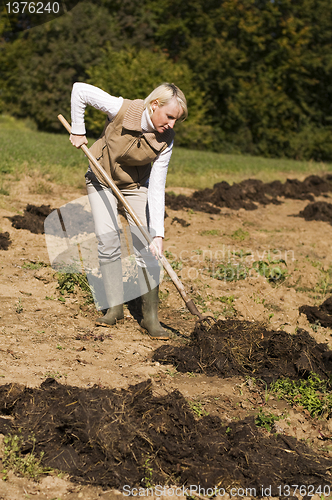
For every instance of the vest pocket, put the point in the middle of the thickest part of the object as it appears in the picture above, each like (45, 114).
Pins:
(98, 149)
(137, 153)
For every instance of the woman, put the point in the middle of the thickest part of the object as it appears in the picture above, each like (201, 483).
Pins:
(134, 149)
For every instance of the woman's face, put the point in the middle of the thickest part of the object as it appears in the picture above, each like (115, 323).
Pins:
(164, 117)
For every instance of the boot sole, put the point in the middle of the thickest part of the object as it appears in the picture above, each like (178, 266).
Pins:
(100, 323)
(145, 330)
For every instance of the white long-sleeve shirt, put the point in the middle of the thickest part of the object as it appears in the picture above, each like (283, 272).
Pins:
(84, 94)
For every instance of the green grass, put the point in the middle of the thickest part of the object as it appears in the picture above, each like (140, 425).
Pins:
(26, 150)
(23, 464)
(313, 394)
(240, 235)
(201, 169)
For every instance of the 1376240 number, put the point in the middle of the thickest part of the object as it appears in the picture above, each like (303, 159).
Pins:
(309, 490)
(33, 7)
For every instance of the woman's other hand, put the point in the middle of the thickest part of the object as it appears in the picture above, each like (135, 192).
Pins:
(78, 140)
(159, 243)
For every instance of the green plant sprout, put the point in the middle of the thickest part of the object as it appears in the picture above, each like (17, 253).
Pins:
(148, 470)
(27, 465)
(271, 269)
(240, 234)
(266, 420)
(197, 409)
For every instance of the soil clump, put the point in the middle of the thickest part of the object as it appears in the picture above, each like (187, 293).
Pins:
(32, 218)
(181, 201)
(250, 193)
(112, 438)
(319, 210)
(5, 241)
(321, 315)
(234, 347)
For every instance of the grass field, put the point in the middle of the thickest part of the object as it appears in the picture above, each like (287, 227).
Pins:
(51, 156)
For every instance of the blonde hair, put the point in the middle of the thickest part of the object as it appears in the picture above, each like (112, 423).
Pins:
(163, 95)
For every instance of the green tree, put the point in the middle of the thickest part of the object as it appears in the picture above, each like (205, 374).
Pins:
(257, 73)
(38, 68)
(264, 65)
(134, 73)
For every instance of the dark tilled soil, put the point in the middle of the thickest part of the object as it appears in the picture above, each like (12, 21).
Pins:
(249, 193)
(5, 241)
(115, 437)
(321, 315)
(32, 219)
(319, 210)
(182, 222)
(234, 347)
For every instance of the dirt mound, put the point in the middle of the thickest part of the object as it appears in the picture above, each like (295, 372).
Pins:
(235, 347)
(182, 222)
(5, 241)
(130, 437)
(32, 218)
(319, 210)
(178, 202)
(321, 315)
(247, 194)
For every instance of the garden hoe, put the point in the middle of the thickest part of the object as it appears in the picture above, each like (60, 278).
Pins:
(168, 268)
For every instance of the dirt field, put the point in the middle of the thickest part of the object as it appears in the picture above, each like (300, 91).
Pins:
(46, 335)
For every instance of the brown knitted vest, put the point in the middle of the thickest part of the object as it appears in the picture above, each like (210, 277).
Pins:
(124, 151)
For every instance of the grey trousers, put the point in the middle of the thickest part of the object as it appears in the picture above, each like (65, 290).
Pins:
(104, 207)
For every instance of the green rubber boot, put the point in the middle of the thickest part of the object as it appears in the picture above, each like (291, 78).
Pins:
(112, 278)
(150, 320)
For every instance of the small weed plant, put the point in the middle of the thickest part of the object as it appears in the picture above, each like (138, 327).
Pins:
(313, 394)
(4, 191)
(230, 272)
(171, 372)
(235, 270)
(33, 265)
(324, 285)
(55, 375)
(22, 464)
(197, 409)
(266, 420)
(68, 281)
(210, 232)
(228, 301)
(271, 269)
(240, 234)
(315, 326)
(19, 307)
(148, 471)
(176, 264)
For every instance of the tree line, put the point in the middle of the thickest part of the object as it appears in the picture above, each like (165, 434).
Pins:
(256, 73)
